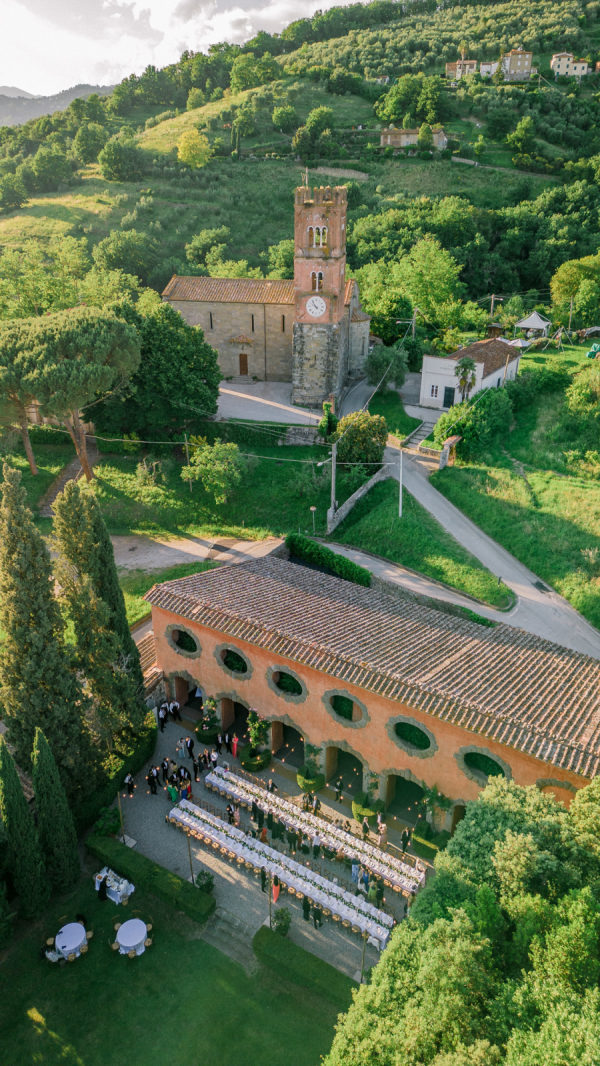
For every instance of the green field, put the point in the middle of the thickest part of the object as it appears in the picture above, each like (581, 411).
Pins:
(182, 999)
(417, 541)
(390, 406)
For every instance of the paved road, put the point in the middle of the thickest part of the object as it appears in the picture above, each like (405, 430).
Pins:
(539, 608)
(263, 401)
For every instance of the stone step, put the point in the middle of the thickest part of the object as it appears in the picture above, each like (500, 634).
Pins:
(228, 933)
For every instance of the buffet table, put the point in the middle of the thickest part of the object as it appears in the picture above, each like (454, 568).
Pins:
(117, 888)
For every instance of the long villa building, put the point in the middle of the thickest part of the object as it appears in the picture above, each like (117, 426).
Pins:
(394, 688)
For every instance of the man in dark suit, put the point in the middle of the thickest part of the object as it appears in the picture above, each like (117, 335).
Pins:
(189, 743)
(317, 916)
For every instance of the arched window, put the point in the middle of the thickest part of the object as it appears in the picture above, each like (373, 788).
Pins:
(317, 236)
(313, 281)
(324, 236)
(311, 237)
(319, 280)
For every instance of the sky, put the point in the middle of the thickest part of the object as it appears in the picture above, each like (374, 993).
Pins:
(49, 45)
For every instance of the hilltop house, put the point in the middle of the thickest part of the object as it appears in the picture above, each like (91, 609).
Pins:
(309, 330)
(496, 361)
(383, 687)
(394, 138)
(461, 67)
(565, 64)
(516, 65)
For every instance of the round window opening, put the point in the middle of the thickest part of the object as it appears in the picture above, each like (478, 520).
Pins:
(233, 661)
(184, 640)
(345, 708)
(287, 683)
(475, 760)
(412, 735)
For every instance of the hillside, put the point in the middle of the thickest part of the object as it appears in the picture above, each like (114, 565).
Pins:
(17, 107)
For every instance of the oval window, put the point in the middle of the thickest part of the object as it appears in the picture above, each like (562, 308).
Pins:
(287, 683)
(184, 640)
(234, 661)
(476, 760)
(412, 735)
(344, 707)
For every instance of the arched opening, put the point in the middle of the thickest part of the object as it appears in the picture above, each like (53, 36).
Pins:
(345, 707)
(339, 763)
(287, 744)
(323, 236)
(311, 237)
(316, 280)
(317, 236)
(457, 815)
(234, 661)
(234, 717)
(412, 735)
(287, 683)
(404, 799)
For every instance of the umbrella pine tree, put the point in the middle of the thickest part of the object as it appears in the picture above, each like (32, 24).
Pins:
(26, 863)
(56, 829)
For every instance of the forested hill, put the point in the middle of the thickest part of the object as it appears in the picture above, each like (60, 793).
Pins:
(191, 168)
(16, 107)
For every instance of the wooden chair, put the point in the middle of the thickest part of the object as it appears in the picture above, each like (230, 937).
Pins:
(50, 942)
(89, 934)
(326, 912)
(356, 930)
(131, 954)
(117, 926)
(71, 957)
(149, 927)
(125, 902)
(83, 949)
(345, 923)
(115, 946)
(336, 917)
(148, 942)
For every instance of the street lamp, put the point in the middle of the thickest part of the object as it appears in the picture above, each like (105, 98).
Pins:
(313, 509)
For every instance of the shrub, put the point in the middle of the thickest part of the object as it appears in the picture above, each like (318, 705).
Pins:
(328, 424)
(322, 558)
(235, 662)
(282, 919)
(477, 421)
(288, 683)
(309, 780)
(258, 761)
(294, 964)
(109, 822)
(343, 706)
(476, 760)
(412, 735)
(194, 900)
(361, 438)
(364, 806)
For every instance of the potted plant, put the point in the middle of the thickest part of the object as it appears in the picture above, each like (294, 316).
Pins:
(365, 805)
(437, 806)
(282, 920)
(209, 725)
(254, 756)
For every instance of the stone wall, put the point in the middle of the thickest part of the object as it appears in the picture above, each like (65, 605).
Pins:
(268, 346)
(335, 517)
(316, 363)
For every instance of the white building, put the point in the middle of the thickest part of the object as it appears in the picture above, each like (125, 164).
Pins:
(496, 361)
(564, 63)
(486, 69)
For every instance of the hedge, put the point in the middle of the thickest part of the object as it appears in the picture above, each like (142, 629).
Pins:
(239, 432)
(254, 762)
(308, 551)
(363, 807)
(310, 784)
(153, 878)
(89, 807)
(295, 964)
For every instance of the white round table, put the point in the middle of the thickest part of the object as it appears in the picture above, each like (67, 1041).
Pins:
(70, 939)
(131, 936)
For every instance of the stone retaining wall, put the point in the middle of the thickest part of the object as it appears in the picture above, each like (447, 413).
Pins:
(335, 517)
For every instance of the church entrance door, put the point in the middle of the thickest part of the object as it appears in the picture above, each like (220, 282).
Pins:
(243, 365)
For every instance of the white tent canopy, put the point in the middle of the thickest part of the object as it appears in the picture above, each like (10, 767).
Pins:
(534, 321)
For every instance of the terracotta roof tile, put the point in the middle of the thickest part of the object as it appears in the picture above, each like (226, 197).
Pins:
(502, 683)
(492, 353)
(237, 290)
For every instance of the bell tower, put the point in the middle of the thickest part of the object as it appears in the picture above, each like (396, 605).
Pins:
(320, 345)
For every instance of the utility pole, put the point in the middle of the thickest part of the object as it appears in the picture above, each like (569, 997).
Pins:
(190, 858)
(493, 299)
(333, 462)
(187, 457)
(400, 498)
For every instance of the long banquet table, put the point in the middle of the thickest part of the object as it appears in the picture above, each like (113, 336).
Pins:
(399, 874)
(328, 894)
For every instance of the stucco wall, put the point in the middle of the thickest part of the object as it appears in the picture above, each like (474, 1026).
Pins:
(374, 741)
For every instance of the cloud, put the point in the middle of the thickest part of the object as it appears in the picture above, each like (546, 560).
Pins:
(48, 45)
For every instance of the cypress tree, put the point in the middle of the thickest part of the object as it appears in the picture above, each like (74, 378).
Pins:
(55, 825)
(83, 541)
(26, 863)
(37, 685)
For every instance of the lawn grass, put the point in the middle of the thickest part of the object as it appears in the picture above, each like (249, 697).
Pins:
(182, 998)
(134, 583)
(52, 452)
(280, 487)
(417, 541)
(389, 404)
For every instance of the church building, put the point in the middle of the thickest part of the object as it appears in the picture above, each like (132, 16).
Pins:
(309, 330)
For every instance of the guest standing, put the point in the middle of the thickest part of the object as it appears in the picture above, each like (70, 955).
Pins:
(234, 745)
(189, 743)
(162, 717)
(365, 827)
(339, 786)
(317, 916)
(306, 909)
(165, 769)
(130, 783)
(228, 743)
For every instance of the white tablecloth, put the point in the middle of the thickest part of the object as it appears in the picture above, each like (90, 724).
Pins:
(394, 870)
(117, 888)
(70, 939)
(131, 936)
(354, 909)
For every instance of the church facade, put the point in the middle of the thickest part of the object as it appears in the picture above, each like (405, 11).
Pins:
(309, 330)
